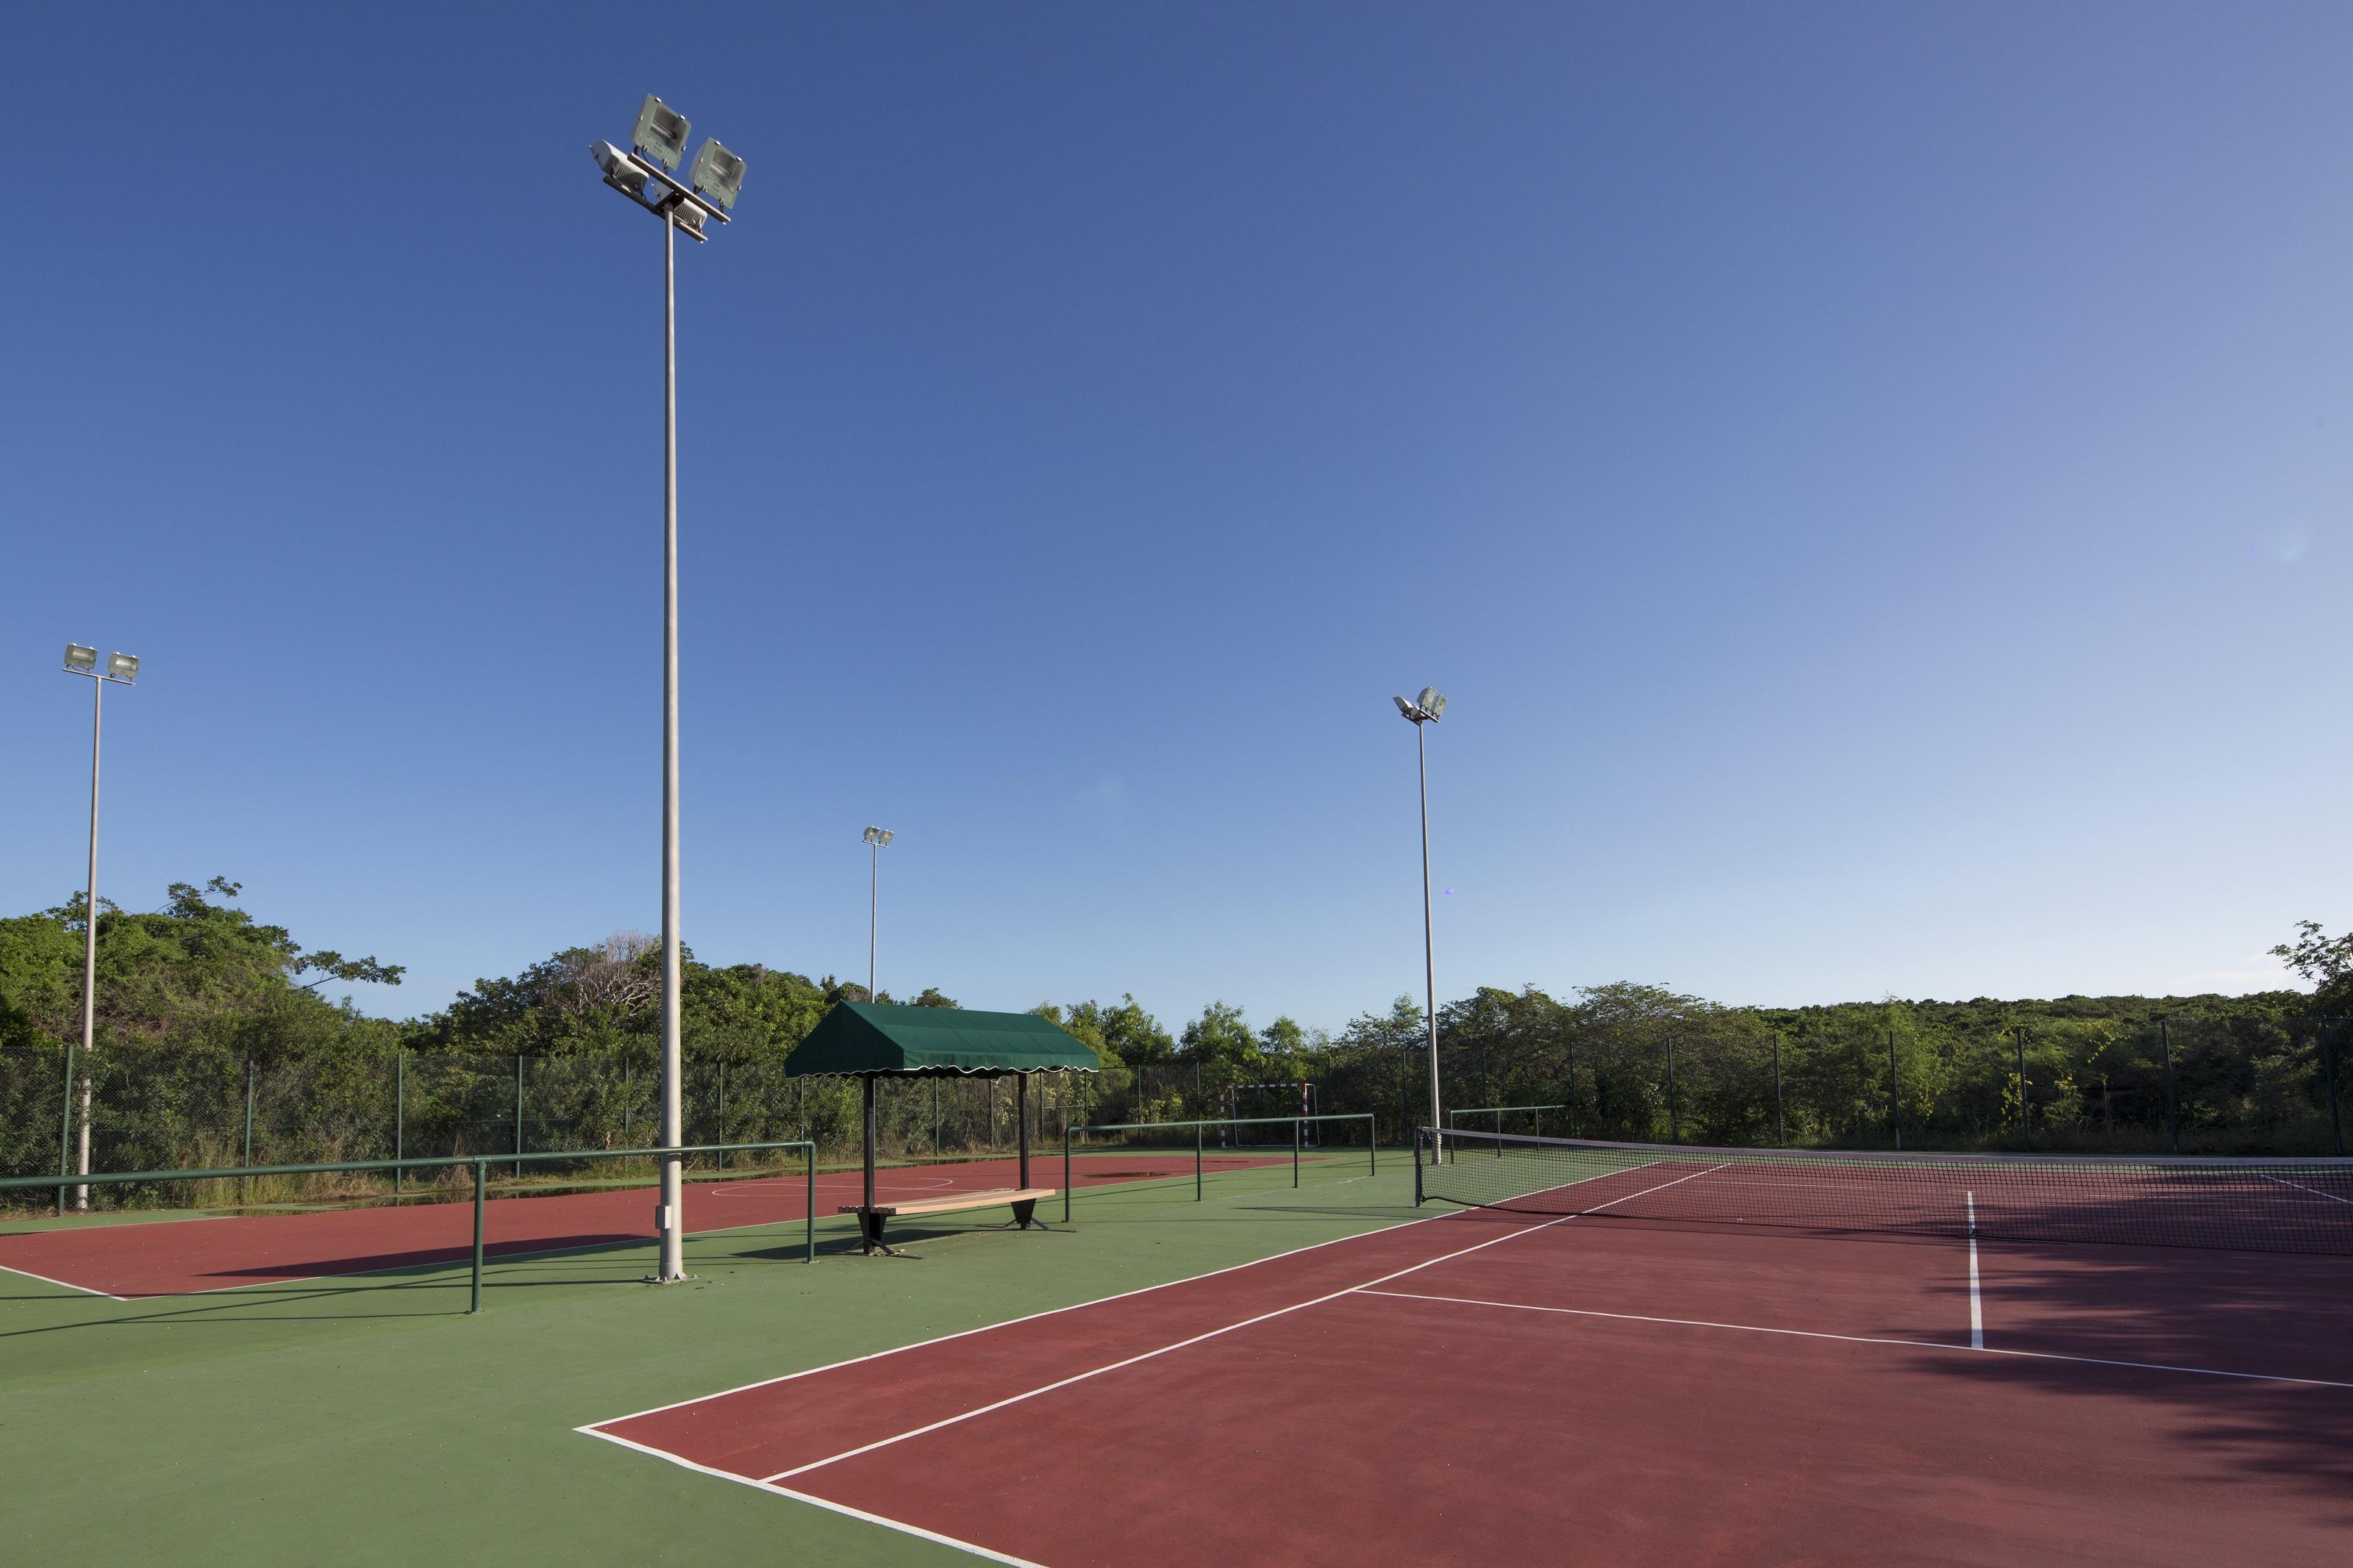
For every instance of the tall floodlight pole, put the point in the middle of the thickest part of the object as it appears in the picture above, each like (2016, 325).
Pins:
(121, 669)
(1426, 709)
(876, 837)
(646, 174)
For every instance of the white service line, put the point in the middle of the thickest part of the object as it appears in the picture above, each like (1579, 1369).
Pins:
(857, 1513)
(592, 1427)
(65, 1284)
(1860, 1339)
(2300, 1187)
(1211, 1334)
(1976, 1307)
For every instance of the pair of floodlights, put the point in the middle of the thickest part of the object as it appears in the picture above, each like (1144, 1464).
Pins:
(120, 667)
(648, 173)
(1426, 710)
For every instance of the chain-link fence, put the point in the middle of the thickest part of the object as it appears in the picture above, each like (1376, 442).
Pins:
(165, 1109)
(2229, 1085)
(2224, 1085)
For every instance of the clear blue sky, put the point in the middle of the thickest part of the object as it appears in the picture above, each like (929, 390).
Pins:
(1873, 481)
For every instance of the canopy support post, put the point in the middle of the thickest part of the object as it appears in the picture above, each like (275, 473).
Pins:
(1022, 1119)
(867, 1080)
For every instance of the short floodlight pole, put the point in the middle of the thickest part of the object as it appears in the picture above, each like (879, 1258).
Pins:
(1423, 711)
(646, 174)
(122, 669)
(876, 837)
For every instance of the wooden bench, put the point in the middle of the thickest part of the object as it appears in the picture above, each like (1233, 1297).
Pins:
(869, 1218)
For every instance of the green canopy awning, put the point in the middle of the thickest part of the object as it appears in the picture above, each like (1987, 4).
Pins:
(859, 1038)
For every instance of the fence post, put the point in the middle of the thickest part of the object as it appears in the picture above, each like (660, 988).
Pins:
(1894, 1094)
(65, 1129)
(2328, 1066)
(1674, 1118)
(245, 1183)
(2172, 1105)
(1571, 1095)
(2025, 1133)
(518, 1166)
(481, 1177)
(1780, 1129)
(399, 1115)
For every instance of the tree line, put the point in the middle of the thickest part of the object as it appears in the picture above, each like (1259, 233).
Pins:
(201, 980)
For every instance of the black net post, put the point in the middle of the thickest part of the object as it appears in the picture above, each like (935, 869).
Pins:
(399, 1114)
(1196, 1161)
(1780, 1131)
(1294, 1152)
(518, 1165)
(245, 1183)
(481, 1177)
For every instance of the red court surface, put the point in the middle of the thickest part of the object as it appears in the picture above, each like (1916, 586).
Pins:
(182, 1257)
(1492, 1386)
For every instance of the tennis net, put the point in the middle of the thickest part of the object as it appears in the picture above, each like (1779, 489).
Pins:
(2253, 1206)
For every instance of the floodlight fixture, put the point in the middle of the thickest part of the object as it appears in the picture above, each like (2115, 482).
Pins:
(661, 132)
(123, 666)
(878, 836)
(717, 173)
(80, 658)
(1426, 711)
(620, 172)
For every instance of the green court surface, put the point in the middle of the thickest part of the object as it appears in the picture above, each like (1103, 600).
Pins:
(367, 1419)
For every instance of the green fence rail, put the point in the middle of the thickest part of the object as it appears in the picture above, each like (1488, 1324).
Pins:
(479, 1163)
(1298, 1123)
(1497, 1112)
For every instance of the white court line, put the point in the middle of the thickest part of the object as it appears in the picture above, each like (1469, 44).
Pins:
(1211, 1334)
(1977, 1307)
(66, 1284)
(1051, 1311)
(462, 1255)
(1861, 1339)
(2300, 1187)
(857, 1513)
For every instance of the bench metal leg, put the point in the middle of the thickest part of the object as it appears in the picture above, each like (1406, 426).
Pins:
(1021, 1212)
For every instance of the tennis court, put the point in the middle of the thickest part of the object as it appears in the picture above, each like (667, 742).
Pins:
(1632, 1356)
(173, 1255)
